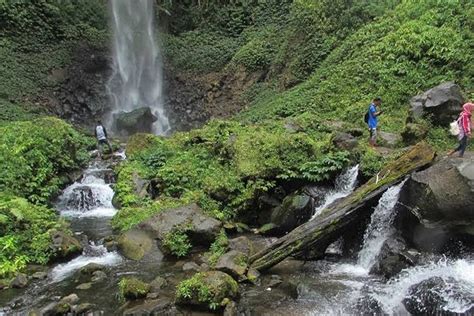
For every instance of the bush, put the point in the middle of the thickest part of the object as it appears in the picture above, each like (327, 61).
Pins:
(35, 154)
(24, 233)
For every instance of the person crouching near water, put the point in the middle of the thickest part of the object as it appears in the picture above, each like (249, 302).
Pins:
(465, 127)
(101, 135)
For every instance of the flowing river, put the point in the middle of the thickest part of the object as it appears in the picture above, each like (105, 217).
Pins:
(325, 287)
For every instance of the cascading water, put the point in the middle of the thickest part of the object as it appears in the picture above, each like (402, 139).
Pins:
(137, 78)
(380, 227)
(344, 185)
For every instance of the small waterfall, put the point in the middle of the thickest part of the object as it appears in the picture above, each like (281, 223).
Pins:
(380, 227)
(92, 254)
(137, 78)
(344, 185)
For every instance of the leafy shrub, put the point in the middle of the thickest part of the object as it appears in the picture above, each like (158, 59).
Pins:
(218, 248)
(34, 155)
(24, 233)
(177, 242)
(132, 288)
(200, 51)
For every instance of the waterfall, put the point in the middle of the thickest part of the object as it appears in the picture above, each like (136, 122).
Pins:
(344, 185)
(380, 227)
(137, 78)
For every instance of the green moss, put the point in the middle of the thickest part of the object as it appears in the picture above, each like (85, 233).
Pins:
(218, 248)
(132, 288)
(209, 288)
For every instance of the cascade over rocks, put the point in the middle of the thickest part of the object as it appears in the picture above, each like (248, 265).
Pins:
(136, 121)
(201, 228)
(442, 195)
(443, 102)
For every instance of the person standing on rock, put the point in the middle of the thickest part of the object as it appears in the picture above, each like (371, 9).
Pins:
(372, 121)
(465, 127)
(101, 135)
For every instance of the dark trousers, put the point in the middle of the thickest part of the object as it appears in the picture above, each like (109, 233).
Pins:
(462, 146)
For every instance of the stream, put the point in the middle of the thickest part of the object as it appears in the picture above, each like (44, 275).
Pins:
(325, 287)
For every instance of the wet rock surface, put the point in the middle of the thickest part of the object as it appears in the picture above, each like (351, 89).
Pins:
(233, 263)
(137, 121)
(135, 244)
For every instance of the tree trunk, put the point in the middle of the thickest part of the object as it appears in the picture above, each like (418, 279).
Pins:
(317, 234)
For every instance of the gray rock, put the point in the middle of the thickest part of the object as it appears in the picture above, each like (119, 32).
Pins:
(84, 286)
(70, 299)
(152, 296)
(242, 244)
(64, 245)
(158, 283)
(135, 244)
(414, 133)
(161, 306)
(191, 266)
(234, 263)
(39, 275)
(275, 280)
(20, 281)
(389, 140)
(443, 102)
(231, 309)
(295, 210)
(136, 121)
(90, 268)
(345, 141)
(83, 308)
(393, 258)
(98, 276)
(202, 229)
(442, 195)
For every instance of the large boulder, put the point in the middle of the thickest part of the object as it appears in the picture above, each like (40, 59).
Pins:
(211, 290)
(136, 121)
(442, 195)
(135, 244)
(202, 229)
(430, 297)
(295, 210)
(443, 102)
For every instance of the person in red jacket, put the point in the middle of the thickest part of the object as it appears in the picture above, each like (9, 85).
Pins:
(465, 127)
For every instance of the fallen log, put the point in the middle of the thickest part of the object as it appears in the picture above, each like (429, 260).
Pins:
(318, 233)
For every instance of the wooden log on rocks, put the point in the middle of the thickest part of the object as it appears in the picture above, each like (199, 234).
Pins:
(318, 233)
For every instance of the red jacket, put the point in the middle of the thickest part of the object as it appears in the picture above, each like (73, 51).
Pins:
(465, 118)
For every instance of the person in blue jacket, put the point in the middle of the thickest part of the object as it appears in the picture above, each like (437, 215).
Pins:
(373, 114)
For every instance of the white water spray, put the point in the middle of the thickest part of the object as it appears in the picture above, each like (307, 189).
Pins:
(380, 227)
(137, 78)
(344, 185)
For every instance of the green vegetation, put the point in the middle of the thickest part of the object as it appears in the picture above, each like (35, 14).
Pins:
(132, 288)
(34, 155)
(39, 37)
(25, 233)
(211, 289)
(218, 248)
(177, 242)
(224, 167)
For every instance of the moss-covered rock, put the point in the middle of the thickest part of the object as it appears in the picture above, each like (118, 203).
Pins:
(64, 245)
(133, 288)
(234, 263)
(207, 290)
(134, 244)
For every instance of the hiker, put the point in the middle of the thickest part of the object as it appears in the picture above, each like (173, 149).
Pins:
(101, 135)
(464, 123)
(372, 120)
